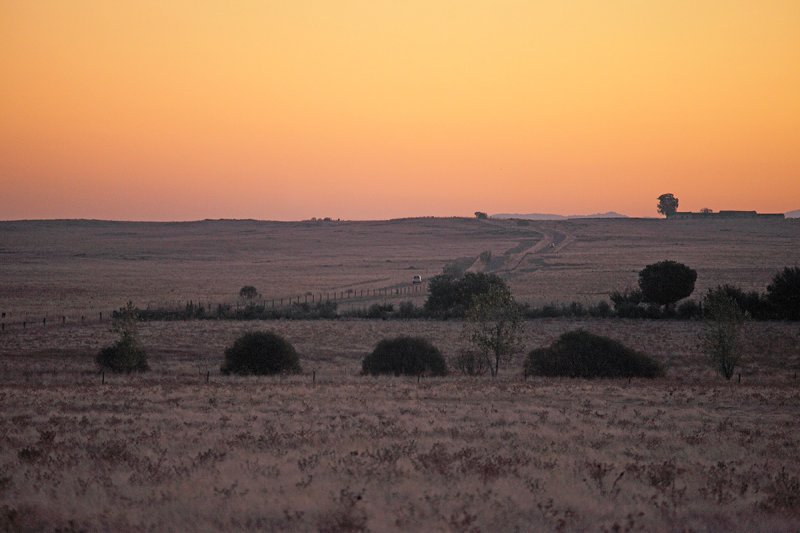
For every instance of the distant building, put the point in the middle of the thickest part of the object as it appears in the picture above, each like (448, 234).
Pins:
(681, 215)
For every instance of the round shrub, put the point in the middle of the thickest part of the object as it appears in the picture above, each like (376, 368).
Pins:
(261, 353)
(580, 354)
(125, 355)
(410, 356)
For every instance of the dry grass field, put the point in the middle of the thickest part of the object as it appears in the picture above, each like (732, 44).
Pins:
(330, 450)
(168, 451)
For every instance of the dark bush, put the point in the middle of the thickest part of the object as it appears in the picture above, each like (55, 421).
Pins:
(689, 310)
(407, 309)
(783, 293)
(580, 354)
(666, 282)
(410, 356)
(751, 303)
(261, 353)
(380, 311)
(125, 355)
(248, 292)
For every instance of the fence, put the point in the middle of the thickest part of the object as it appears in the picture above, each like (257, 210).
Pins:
(9, 320)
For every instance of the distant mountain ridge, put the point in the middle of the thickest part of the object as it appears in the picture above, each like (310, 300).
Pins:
(547, 216)
(793, 214)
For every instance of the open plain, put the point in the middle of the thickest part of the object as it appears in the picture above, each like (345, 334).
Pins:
(183, 448)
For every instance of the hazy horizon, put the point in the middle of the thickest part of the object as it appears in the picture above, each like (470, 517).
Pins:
(379, 110)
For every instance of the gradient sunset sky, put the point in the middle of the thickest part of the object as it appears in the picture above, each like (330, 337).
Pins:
(377, 109)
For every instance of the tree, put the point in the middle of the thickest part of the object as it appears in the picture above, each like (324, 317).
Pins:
(127, 354)
(666, 282)
(706, 210)
(452, 295)
(248, 292)
(721, 337)
(480, 215)
(667, 204)
(783, 294)
(493, 326)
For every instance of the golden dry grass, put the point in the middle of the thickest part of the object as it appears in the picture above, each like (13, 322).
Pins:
(168, 451)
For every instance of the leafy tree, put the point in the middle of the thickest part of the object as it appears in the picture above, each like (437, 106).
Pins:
(706, 210)
(127, 354)
(404, 355)
(721, 337)
(493, 326)
(450, 295)
(261, 353)
(783, 293)
(667, 204)
(248, 292)
(666, 282)
(480, 215)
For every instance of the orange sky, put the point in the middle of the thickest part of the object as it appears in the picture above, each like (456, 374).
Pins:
(377, 109)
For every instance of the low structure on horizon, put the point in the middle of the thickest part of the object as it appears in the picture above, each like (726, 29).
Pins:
(723, 214)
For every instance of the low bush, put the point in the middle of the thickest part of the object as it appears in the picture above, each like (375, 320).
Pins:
(580, 354)
(261, 353)
(689, 310)
(125, 355)
(410, 356)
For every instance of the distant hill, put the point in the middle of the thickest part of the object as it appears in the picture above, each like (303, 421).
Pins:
(546, 216)
(793, 214)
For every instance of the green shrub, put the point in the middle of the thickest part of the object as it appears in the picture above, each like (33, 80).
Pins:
(127, 354)
(580, 354)
(410, 356)
(261, 353)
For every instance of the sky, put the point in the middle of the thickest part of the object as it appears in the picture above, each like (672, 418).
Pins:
(375, 109)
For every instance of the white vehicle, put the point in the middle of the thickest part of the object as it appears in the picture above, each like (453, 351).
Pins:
(416, 280)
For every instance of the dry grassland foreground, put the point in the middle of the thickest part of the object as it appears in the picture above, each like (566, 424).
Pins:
(166, 451)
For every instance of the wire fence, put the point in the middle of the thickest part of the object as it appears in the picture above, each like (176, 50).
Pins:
(351, 298)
